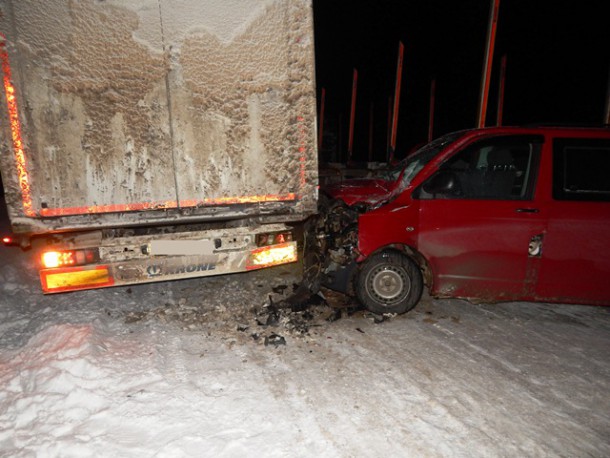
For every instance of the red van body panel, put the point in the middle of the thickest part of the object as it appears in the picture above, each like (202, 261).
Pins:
(535, 247)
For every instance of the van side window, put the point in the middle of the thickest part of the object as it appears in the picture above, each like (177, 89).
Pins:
(581, 169)
(499, 168)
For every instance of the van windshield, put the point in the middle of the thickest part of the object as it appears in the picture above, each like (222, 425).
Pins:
(415, 162)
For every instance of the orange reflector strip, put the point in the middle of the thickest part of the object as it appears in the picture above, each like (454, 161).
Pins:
(59, 280)
(275, 255)
(13, 114)
(241, 200)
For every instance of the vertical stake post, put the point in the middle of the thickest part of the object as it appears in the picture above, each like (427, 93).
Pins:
(500, 110)
(401, 49)
(487, 64)
(431, 111)
(352, 117)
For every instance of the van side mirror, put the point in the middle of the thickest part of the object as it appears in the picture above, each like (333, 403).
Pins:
(443, 182)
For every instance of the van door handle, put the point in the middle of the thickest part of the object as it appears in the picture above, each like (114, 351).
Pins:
(527, 210)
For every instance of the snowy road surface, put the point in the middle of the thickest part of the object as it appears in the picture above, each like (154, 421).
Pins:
(162, 370)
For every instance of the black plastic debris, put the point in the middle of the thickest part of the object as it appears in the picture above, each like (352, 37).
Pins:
(308, 315)
(270, 315)
(275, 340)
(272, 319)
(301, 299)
(279, 289)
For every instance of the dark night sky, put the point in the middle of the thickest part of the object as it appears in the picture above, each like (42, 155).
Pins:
(558, 59)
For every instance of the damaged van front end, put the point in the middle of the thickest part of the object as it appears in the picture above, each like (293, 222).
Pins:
(361, 243)
(494, 214)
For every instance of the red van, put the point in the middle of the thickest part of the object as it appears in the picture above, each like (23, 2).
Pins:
(494, 214)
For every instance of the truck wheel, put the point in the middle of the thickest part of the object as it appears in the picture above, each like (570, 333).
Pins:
(389, 282)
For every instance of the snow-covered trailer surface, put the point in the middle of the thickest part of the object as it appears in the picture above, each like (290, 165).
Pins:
(157, 139)
(126, 112)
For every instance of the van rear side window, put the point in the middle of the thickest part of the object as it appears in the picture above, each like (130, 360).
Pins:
(581, 169)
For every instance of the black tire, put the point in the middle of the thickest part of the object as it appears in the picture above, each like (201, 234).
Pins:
(389, 282)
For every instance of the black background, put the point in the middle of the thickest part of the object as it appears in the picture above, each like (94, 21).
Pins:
(558, 61)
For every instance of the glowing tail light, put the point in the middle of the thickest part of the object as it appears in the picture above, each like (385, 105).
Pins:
(272, 256)
(55, 259)
(273, 238)
(11, 240)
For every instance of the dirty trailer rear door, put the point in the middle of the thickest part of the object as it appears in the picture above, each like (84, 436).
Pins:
(129, 106)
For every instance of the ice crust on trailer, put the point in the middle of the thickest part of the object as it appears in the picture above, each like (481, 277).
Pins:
(101, 128)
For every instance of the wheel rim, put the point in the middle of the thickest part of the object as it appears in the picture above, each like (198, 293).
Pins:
(389, 284)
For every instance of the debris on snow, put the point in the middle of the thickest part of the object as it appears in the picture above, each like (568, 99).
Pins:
(275, 340)
(105, 372)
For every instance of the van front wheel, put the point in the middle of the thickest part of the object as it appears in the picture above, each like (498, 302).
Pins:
(389, 282)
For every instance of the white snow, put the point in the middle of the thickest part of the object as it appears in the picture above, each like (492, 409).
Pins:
(161, 370)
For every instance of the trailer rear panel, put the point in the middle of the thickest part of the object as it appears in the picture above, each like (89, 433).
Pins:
(133, 112)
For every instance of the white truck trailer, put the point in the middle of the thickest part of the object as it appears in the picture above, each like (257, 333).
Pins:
(152, 140)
